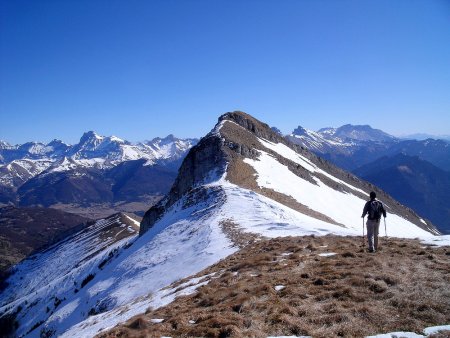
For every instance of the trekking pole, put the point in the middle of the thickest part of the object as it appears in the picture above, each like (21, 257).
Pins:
(385, 231)
(364, 241)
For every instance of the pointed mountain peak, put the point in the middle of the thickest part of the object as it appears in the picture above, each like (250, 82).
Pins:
(5, 145)
(251, 124)
(170, 138)
(276, 130)
(327, 131)
(244, 120)
(299, 131)
(163, 140)
(56, 142)
(90, 136)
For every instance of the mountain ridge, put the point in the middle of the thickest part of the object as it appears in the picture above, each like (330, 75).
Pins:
(90, 146)
(226, 145)
(240, 184)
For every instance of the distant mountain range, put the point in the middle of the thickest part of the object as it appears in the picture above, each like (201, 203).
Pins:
(101, 171)
(423, 136)
(352, 146)
(416, 172)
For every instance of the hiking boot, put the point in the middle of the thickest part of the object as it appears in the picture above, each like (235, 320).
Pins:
(371, 250)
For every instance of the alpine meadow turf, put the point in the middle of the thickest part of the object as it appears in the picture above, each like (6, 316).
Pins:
(318, 286)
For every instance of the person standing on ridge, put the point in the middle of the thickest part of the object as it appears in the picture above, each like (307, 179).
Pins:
(374, 209)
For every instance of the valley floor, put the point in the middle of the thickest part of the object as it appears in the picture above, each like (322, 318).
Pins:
(309, 286)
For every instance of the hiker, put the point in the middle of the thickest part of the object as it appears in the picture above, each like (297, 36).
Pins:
(374, 209)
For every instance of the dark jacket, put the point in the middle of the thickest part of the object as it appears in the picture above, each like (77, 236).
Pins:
(367, 209)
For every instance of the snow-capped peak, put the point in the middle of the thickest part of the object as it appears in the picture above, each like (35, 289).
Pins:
(5, 145)
(89, 135)
(168, 147)
(299, 131)
(90, 141)
(327, 131)
(116, 139)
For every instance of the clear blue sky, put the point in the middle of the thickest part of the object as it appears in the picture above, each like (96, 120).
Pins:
(140, 69)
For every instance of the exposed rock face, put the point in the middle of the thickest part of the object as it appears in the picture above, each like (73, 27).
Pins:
(237, 137)
(207, 160)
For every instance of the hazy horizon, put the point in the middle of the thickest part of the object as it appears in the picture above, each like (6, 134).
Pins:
(418, 136)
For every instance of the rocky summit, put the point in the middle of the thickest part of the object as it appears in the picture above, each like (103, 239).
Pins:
(240, 145)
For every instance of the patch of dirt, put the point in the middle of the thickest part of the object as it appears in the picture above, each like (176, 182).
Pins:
(402, 287)
(237, 236)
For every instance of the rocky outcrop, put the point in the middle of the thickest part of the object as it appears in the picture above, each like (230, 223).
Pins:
(204, 162)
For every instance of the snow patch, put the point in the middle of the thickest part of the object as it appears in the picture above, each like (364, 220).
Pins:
(133, 220)
(279, 287)
(436, 329)
(399, 334)
(327, 254)
(156, 320)
(443, 240)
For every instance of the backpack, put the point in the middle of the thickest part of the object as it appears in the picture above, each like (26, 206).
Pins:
(375, 210)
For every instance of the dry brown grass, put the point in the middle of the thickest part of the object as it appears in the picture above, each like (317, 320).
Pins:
(403, 287)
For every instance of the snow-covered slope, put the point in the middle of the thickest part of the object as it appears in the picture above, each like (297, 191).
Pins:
(242, 180)
(168, 147)
(47, 285)
(17, 172)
